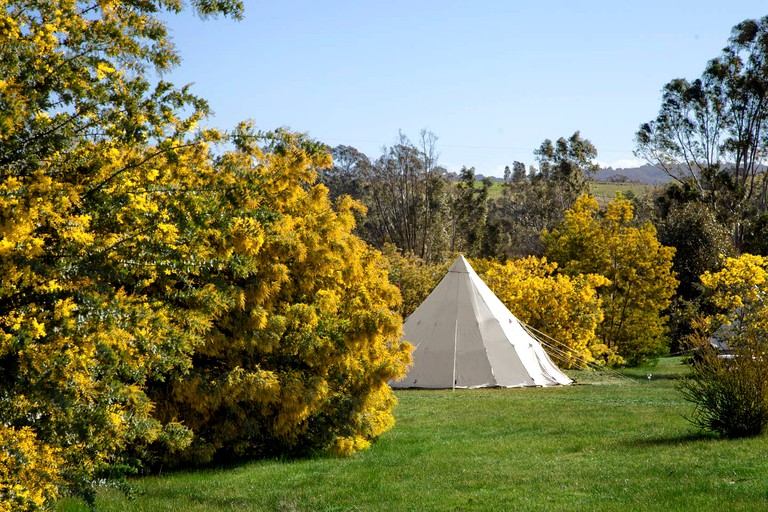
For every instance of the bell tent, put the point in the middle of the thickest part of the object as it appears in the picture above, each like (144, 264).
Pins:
(465, 337)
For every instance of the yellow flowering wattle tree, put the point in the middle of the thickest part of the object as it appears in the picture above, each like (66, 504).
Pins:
(738, 292)
(104, 219)
(565, 308)
(640, 284)
(300, 360)
(133, 252)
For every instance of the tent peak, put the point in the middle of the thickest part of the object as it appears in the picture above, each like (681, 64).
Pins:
(461, 265)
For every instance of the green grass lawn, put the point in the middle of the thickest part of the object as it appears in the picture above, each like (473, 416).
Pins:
(609, 443)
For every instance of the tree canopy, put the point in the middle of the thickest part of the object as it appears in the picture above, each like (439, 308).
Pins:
(638, 267)
(712, 132)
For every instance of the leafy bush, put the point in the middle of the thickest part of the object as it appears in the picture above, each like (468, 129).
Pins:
(731, 392)
(300, 358)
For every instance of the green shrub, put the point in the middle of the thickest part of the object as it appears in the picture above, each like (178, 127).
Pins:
(730, 392)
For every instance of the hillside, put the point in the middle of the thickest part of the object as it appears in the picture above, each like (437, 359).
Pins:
(649, 174)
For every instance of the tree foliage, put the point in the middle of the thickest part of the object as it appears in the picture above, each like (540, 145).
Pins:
(566, 167)
(700, 242)
(712, 133)
(133, 249)
(469, 212)
(737, 290)
(529, 206)
(300, 362)
(638, 267)
(92, 241)
(407, 197)
(348, 174)
(28, 471)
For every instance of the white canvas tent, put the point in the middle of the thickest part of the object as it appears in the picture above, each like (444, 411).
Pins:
(465, 337)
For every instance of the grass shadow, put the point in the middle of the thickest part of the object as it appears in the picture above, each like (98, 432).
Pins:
(675, 440)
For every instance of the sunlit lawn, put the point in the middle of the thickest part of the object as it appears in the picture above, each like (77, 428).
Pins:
(608, 444)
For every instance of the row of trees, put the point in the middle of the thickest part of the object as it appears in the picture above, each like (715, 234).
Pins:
(602, 287)
(168, 295)
(415, 204)
(544, 212)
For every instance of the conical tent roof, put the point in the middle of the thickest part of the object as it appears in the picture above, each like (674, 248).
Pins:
(465, 337)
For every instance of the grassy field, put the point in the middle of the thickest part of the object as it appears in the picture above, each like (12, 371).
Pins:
(603, 191)
(607, 444)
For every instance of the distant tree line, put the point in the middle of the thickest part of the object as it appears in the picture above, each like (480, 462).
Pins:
(421, 208)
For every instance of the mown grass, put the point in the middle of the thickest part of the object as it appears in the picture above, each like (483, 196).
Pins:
(608, 444)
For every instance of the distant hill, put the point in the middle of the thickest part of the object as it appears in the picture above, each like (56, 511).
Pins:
(646, 174)
(649, 174)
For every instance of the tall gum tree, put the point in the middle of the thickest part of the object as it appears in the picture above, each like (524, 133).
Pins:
(711, 133)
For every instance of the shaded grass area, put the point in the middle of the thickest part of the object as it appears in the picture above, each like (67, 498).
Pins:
(609, 443)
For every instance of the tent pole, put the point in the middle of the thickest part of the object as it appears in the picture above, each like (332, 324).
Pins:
(455, 342)
(455, 338)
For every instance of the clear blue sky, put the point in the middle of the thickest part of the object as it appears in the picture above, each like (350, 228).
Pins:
(492, 79)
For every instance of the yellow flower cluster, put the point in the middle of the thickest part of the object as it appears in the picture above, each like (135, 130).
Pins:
(28, 471)
(738, 291)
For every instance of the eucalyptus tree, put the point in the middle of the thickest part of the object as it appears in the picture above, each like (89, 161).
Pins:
(566, 166)
(530, 204)
(469, 213)
(711, 133)
(406, 194)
